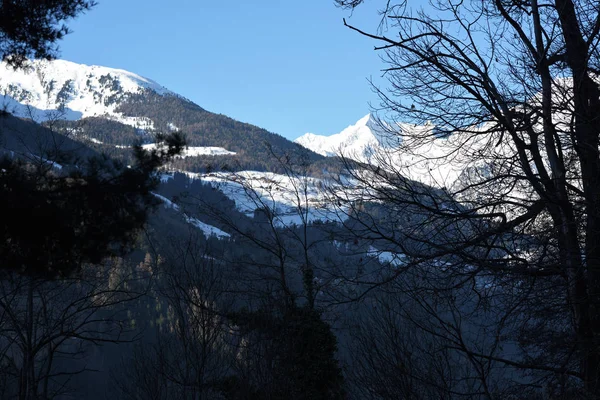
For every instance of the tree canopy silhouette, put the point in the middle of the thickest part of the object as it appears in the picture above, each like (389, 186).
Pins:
(79, 213)
(31, 28)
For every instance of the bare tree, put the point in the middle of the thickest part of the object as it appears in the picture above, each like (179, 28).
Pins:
(193, 350)
(511, 212)
(390, 359)
(275, 256)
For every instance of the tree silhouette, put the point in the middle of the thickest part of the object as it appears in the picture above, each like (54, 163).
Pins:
(79, 214)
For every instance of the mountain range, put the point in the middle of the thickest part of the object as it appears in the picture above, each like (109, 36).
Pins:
(110, 109)
(376, 142)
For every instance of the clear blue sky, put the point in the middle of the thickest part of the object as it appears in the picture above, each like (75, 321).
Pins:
(288, 66)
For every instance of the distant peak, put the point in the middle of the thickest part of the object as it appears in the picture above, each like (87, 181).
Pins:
(364, 121)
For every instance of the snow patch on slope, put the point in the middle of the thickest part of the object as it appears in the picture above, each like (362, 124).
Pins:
(196, 151)
(291, 200)
(208, 230)
(207, 151)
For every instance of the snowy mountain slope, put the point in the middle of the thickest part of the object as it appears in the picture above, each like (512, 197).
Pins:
(110, 109)
(66, 90)
(107, 110)
(466, 163)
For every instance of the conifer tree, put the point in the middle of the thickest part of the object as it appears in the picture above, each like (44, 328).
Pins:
(31, 28)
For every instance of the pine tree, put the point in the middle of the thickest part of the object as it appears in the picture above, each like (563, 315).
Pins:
(300, 350)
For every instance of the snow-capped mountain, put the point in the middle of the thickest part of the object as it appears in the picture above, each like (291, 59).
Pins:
(110, 109)
(66, 90)
(358, 141)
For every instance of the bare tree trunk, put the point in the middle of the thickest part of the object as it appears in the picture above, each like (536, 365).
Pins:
(586, 98)
(27, 380)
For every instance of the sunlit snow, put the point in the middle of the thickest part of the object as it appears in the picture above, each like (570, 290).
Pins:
(60, 89)
(197, 151)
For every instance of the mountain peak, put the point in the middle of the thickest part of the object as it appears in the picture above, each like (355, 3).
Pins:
(356, 141)
(372, 122)
(364, 121)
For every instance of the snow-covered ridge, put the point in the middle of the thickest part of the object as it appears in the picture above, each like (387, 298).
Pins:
(453, 162)
(66, 90)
